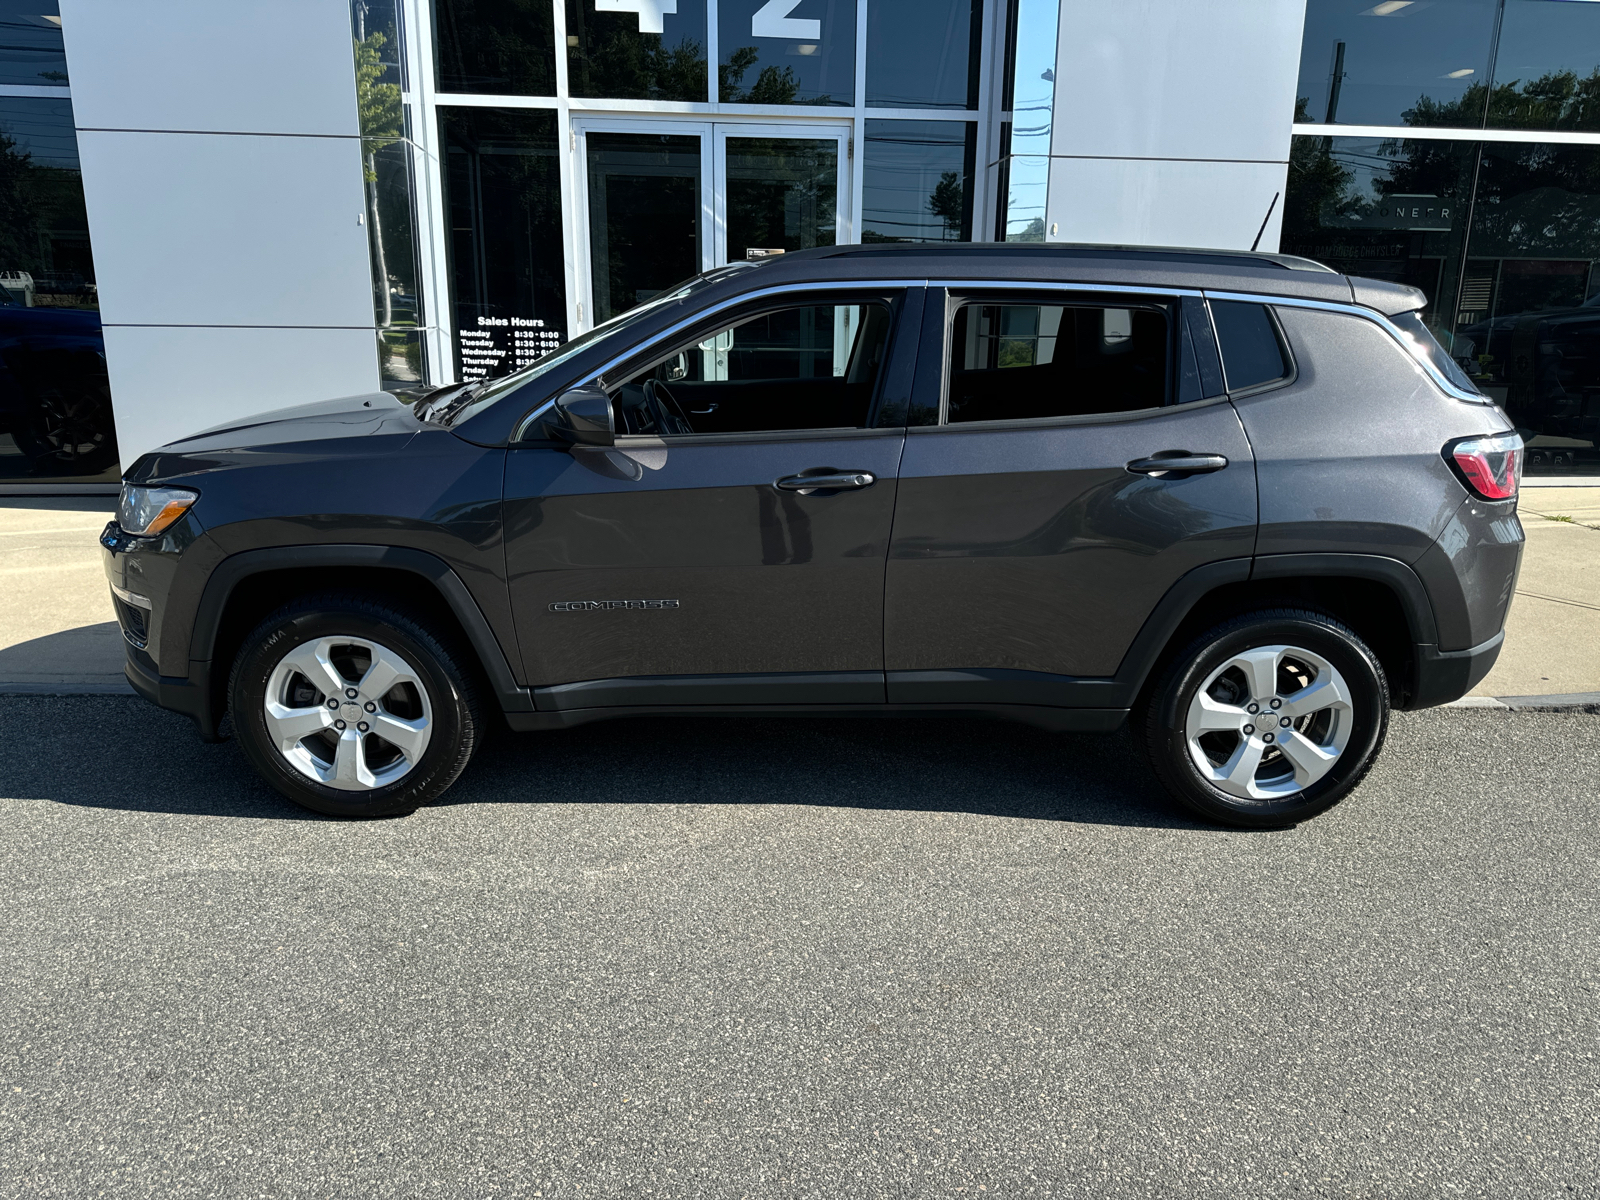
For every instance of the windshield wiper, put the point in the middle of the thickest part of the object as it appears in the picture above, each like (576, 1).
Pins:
(437, 406)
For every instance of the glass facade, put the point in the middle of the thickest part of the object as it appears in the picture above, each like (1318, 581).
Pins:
(1028, 104)
(649, 50)
(1501, 231)
(917, 181)
(674, 136)
(503, 198)
(496, 47)
(807, 57)
(56, 423)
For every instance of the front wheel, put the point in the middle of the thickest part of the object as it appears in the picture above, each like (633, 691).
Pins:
(352, 708)
(1268, 719)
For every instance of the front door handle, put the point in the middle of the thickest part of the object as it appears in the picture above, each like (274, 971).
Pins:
(839, 481)
(1177, 462)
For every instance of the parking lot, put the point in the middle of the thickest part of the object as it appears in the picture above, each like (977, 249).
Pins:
(724, 958)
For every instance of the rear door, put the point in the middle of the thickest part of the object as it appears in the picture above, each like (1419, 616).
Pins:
(1033, 532)
(695, 563)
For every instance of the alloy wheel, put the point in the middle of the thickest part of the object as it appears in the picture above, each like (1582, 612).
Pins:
(348, 712)
(1269, 722)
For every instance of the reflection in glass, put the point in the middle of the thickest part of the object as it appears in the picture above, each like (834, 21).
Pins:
(923, 53)
(1400, 62)
(1528, 325)
(1386, 209)
(644, 216)
(389, 174)
(502, 191)
(499, 46)
(31, 53)
(1029, 98)
(655, 51)
(917, 181)
(55, 401)
(806, 57)
(782, 194)
(1547, 67)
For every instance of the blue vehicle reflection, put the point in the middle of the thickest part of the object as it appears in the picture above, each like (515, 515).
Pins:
(1543, 367)
(55, 400)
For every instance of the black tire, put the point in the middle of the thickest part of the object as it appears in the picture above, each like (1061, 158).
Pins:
(454, 712)
(1162, 719)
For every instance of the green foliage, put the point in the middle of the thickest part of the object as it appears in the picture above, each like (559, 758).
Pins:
(774, 85)
(947, 202)
(1557, 100)
(1033, 231)
(377, 103)
(19, 211)
(631, 65)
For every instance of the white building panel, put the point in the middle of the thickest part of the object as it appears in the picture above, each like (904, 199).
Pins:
(171, 382)
(219, 229)
(236, 66)
(1172, 121)
(1164, 202)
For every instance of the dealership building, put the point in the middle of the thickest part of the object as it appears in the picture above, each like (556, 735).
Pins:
(212, 210)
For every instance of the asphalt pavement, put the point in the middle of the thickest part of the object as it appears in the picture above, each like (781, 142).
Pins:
(695, 958)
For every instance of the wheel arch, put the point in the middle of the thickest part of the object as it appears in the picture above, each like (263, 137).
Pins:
(245, 587)
(1381, 599)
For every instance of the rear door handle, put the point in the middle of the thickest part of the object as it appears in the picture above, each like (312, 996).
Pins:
(806, 484)
(1177, 461)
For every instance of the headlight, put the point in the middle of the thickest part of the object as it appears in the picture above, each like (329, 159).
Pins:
(147, 511)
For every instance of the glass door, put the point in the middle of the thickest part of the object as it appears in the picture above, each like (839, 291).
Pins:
(664, 200)
(779, 188)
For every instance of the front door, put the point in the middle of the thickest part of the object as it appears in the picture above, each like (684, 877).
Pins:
(730, 548)
(665, 200)
(1033, 536)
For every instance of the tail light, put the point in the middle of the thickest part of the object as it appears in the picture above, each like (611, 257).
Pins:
(1491, 467)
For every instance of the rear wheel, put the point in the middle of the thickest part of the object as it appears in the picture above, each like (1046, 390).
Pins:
(352, 708)
(1268, 719)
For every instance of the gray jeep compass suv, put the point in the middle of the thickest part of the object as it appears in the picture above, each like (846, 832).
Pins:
(1241, 499)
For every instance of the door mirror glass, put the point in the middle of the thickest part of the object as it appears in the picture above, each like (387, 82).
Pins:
(583, 417)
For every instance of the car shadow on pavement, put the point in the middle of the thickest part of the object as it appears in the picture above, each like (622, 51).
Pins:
(121, 752)
(982, 767)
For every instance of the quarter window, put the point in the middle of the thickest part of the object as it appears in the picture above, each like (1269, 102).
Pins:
(1015, 362)
(1252, 353)
(814, 367)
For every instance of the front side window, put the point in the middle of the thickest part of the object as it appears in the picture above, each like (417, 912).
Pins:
(1015, 362)
(1252, 352)
(814, 367)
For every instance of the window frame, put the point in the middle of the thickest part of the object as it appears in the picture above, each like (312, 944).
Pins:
(1270, 385)
(903, 318)
(958, 296)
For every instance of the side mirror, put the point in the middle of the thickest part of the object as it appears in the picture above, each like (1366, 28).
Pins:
(583, 416)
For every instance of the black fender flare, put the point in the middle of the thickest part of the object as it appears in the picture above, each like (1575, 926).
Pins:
(237, 568)
(1182, 598)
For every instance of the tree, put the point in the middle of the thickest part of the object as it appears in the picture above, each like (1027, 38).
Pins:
(774, 85)
(19, 211)
(948, 203)
(378, 110)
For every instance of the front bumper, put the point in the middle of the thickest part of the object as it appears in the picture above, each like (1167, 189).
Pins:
(1446, 675)
(191, 697)
(140, 573)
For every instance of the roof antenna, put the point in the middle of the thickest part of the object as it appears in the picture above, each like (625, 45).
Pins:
(1264, 221)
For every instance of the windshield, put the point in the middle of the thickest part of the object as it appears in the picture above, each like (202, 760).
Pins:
(1425, 344)
(486, 392)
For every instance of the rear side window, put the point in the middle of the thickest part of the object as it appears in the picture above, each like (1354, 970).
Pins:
(1252, 353)
(1017, 362)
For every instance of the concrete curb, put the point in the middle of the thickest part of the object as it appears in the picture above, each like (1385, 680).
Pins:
(1579, 702)
(109, 688)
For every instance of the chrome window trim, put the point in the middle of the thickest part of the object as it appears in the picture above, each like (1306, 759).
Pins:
(1014, 285)
(1413, 352)
(639, 349)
